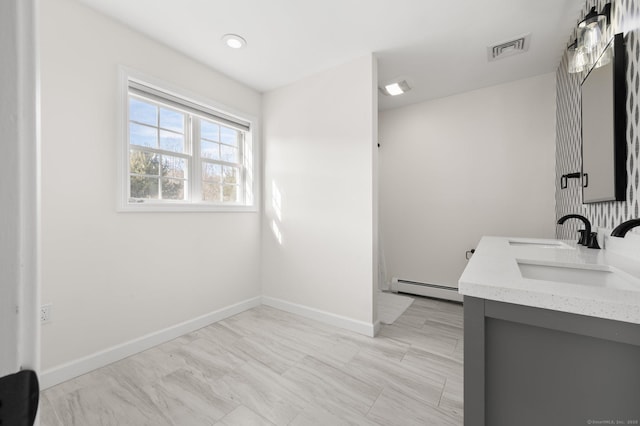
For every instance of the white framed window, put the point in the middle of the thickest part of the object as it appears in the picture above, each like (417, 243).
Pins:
(180, 152)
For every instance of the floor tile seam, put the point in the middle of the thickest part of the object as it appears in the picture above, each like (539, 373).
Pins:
(221, 419)
(445, 358)
(404, 355)
(413, 375)
(55, 412)
(267, 348)
(142, 395)
(329, 405)
(458, 342)
(417, 400)
(262, 363)
(283, 386)
(295, 365)
(417, 371)
(428, 329)
(398, 341)
(375, 401)
(443, 322)
(343, 369)
(426, 378)
(417, 327)
(451, 321)
(435, 351)
(241, 402)
(283, 343)
(260, 415)
(445, 327)
(435, 337)
(307, 398)
(382, 354)
(442, 392)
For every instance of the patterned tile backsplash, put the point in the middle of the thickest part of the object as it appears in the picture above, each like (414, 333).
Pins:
(625, 18)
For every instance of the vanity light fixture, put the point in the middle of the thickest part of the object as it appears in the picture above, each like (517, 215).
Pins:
(584, 50)
(234, 41)
(395, 89)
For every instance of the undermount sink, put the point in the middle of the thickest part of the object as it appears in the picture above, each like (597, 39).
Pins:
(540, 244)
(593, 275)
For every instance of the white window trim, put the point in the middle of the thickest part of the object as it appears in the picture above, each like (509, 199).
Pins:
(252, 139)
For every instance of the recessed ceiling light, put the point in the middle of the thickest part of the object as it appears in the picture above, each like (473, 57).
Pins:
(397, 88)
(234, 41)
(394, 89)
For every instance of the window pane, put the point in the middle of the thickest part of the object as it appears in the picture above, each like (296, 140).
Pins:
(230, 193)
(229, 136)
(174, 167)
(144, 163)
(210, 191)
(230, 175)
(229, 154)
(143, 135)
(172, 120)
(143, 112)
(210, 150)
(209, 130)
(144, 187)
(172, 189)
(211, 172)
(171, 141)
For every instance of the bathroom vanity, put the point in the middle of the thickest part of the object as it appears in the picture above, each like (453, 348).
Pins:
(551, 333)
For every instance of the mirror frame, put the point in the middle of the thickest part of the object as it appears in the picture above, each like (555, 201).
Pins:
(619, 122)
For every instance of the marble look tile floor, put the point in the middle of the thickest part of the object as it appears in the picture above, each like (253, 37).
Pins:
(269, 367)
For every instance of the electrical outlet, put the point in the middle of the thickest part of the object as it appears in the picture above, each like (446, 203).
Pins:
(45, 313)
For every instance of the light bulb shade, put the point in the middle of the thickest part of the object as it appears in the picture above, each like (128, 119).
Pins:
(590, 36)
(579, 60)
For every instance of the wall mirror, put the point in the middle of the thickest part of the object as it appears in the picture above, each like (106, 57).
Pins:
(604, 145)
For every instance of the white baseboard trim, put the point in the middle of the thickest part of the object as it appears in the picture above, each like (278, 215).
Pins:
(361, 327)
(376, 327)
(64, 372)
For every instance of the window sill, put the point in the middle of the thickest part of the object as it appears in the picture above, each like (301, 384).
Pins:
(185, 208)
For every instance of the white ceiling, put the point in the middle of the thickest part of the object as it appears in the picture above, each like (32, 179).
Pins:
(440, 47)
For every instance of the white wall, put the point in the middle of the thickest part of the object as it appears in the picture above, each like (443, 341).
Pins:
(319, 154)
(114, 277)
(457, 168)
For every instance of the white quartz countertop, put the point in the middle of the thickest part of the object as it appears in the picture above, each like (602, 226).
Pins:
(493, 273)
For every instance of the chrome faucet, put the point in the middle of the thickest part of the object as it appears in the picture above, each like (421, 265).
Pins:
(622, 229)
(585, 234)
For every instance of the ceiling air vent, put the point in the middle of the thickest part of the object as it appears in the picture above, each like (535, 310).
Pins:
(508, 48)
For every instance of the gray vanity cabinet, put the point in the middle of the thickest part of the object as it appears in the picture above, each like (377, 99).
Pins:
(528, 366)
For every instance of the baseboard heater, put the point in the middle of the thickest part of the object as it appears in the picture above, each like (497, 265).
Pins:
(425, 289)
